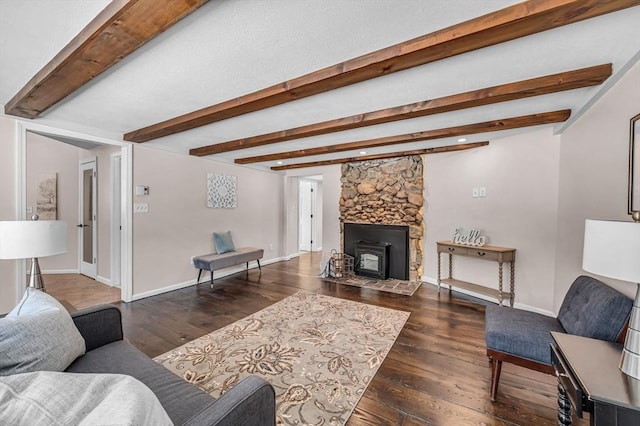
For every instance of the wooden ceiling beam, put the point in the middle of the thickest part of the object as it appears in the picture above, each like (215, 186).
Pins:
(436, 150)
(569, 80)
(122, 27)
(468, 129)
(510, 23)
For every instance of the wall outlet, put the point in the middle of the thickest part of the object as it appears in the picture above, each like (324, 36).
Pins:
(475, 192)
(482, 192)
(270, 247)
(141, 208)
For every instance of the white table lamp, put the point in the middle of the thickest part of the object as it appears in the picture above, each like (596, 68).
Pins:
(612, 249)
(32, 239)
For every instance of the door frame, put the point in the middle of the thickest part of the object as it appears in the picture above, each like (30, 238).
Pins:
(116, 213)
(88, 163)
(22, 128)
(314, 216)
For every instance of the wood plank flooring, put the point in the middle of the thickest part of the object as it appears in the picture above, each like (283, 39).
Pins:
(436, 374)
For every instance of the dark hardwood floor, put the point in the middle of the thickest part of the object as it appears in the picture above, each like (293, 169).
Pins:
(437, 372)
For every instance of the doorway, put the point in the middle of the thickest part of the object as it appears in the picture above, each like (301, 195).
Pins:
(87, 228)
(307, 215)
(80, 140)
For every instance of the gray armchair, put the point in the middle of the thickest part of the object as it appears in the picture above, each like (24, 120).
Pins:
(590, 309)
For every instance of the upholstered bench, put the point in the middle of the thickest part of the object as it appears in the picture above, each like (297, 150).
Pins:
(215, 261)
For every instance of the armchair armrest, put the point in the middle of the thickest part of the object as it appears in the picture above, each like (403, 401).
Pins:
(99, 325)
(252, 402)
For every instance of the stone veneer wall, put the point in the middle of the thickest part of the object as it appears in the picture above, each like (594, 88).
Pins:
(388, 192)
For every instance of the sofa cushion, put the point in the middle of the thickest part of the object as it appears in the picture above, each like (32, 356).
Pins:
(593, 309)
(181, 400)
(38, 334)
(521, 333)
(223, 242)
(47, 397)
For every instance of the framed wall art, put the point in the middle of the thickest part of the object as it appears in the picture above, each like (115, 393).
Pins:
(47, 196)
(634, 168)
(222, 191)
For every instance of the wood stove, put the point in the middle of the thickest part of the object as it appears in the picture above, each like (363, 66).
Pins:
(372, 259)
(396, 236)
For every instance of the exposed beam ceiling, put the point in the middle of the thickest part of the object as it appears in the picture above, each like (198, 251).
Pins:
(121, 28)
(436, 150)
(569, 80)
(503, 25)
(468, 129)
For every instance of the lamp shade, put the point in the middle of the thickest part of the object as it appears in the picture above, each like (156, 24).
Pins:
(612, 249)
(38, 238)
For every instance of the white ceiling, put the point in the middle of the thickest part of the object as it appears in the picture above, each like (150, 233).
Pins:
(230, 48)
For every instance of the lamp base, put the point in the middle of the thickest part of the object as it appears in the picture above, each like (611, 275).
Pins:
(630, 361)
(35, 277)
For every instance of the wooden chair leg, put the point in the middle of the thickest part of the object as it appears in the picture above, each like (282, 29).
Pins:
(259, 267)
(496, 368)
(199, 273)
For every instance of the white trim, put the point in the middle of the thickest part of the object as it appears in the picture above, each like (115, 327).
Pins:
(104, 280)
(293, 255)
(59, 271)
(116, 213)
(23, 126)
(126, 204)
(88, 269)
(518, 305)
(204, 280)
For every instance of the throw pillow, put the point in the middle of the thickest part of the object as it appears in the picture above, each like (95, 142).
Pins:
(38, 334)
(46, 397)
(223, 242)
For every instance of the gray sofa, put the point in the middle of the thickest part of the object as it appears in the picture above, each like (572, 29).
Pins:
(250, 402)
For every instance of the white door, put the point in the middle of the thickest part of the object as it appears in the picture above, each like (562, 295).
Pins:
(306, 219)
(116, 218)
(87, 229)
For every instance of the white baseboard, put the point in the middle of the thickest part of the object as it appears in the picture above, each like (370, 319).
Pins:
(104, 280)
(518, 305)
(218, 274)
(59, 271)
(291, 256)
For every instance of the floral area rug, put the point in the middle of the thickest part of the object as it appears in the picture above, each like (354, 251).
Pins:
(318, 352)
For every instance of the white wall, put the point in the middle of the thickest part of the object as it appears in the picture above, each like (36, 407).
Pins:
(520, 174)
(593, 176)
(8, 197)
(179, 225)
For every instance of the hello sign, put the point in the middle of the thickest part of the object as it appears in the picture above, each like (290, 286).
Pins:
(469, 237)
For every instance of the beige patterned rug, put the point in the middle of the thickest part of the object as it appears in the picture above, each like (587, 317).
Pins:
(318, 352)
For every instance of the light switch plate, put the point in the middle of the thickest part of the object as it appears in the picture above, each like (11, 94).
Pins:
(141, 208)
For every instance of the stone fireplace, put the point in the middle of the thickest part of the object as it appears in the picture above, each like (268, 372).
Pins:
(386, 192)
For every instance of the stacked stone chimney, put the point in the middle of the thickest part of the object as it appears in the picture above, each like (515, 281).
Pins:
(387, 192)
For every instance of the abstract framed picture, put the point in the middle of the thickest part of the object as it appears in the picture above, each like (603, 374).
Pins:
(222, 191)
(634, 166)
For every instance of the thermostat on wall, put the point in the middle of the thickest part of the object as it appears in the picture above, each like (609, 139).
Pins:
(142, 190)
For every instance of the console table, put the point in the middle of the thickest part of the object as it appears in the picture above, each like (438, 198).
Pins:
(492, 253)
(589, 380)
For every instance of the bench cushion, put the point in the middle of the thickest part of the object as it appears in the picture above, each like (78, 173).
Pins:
(215, 261)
